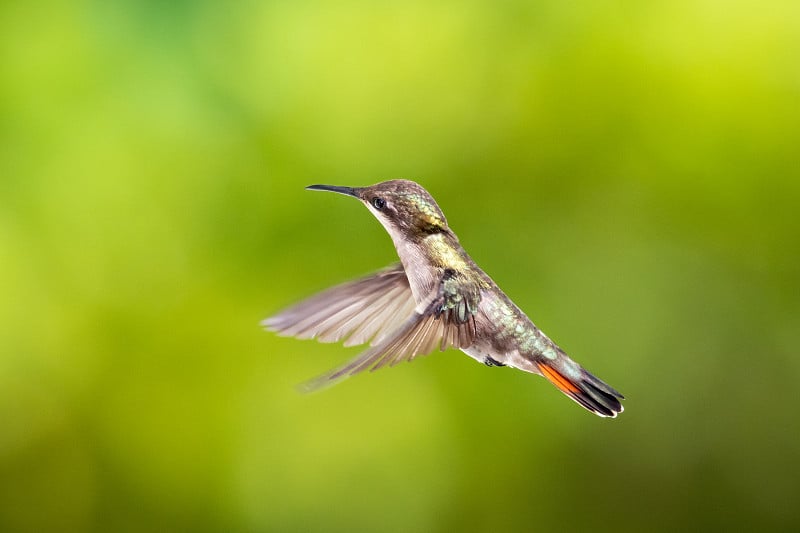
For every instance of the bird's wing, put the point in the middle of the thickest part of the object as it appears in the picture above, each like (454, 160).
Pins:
(446, 318)
(359, 311)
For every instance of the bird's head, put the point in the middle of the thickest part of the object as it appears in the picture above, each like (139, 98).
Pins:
(404, 207)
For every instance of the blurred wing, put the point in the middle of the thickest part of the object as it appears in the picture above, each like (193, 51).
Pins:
(438, 324)
(362, 310)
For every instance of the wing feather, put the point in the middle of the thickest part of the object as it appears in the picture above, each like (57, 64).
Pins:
(381, 309)
(361, 310)
(420, 335)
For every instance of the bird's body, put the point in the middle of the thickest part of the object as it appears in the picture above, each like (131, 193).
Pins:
(437, 297)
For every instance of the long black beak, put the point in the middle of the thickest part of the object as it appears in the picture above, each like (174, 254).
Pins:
(349, 191)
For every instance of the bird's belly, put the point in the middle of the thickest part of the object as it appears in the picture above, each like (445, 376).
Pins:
(483, 352)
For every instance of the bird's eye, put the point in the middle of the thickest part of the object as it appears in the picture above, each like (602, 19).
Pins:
(378, 203)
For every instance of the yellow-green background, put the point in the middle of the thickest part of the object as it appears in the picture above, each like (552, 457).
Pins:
(629, 172)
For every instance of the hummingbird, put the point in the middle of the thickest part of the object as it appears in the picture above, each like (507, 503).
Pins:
(436, 297)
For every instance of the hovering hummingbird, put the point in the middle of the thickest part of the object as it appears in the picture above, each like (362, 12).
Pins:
(436, 297)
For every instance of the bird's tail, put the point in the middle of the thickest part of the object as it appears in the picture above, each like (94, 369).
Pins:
(589, 391)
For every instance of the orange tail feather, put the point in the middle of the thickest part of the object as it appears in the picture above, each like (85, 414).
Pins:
(589, 391)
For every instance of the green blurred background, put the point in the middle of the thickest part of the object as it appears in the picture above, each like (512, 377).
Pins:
(629, 172)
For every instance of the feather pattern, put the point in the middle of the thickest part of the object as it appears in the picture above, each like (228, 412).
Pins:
(381, 309)
(363, 310)
(420, 335)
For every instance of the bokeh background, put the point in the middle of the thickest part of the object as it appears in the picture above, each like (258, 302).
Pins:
(629, 172)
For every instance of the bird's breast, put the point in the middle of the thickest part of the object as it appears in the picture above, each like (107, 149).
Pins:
(424, 261)
(422, 275)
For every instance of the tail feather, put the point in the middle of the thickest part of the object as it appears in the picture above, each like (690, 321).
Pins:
(587, 390)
